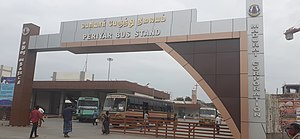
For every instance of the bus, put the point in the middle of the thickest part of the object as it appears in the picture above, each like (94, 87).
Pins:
(86, 106)
(207, 115)
(121, 105)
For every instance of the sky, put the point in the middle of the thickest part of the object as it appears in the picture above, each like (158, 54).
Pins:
(282, 64)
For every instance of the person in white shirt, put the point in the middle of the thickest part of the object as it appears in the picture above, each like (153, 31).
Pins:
(146, 122)
(218, 122)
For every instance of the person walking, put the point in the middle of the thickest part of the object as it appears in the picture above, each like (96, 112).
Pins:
(218, 122)
(41, 110)
(35, 117)
(146, 121)
(105, 124)
(95, 117)
(67, 116)
(175, 120)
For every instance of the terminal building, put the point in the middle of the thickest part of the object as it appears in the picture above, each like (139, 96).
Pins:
(51, 95)
(67, 87)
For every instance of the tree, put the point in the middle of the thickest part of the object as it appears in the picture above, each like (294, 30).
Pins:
(179, 99)
(187, 98)
(210, 105)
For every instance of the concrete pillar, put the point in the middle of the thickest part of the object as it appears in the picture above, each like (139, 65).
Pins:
(256, 122)
(61, 103)
(24, 78)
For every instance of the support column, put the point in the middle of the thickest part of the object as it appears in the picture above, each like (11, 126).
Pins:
(256, 122)
(24, 78)
(61, 103)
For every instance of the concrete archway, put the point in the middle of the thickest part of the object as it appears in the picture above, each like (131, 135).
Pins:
(214, 53)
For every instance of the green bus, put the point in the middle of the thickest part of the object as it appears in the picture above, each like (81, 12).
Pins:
(86, 106)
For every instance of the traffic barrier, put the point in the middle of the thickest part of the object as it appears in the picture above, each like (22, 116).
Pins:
(170, 129)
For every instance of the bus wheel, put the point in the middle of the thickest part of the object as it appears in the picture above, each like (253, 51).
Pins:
(80, 120)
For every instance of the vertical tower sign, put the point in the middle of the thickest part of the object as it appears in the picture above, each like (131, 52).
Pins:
(24, 78)
(256, 77)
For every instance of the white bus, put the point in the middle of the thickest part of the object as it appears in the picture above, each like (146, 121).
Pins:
(206, 112)
(207, 115)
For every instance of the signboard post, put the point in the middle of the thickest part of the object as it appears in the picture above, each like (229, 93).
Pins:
(24, 78)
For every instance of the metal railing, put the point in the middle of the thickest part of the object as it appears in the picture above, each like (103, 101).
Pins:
(170, 129)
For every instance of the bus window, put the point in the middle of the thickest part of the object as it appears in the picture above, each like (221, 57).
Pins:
(168, 108)
(159, 106)
(129, 106)
(145, 106)
(137, 105)
(151, 105)
(208, 112)
(115, 104)
(86, 106)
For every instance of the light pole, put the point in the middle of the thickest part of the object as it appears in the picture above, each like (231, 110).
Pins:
(109, 60)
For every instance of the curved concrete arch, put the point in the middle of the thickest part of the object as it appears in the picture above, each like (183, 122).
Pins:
(234, 107)
(199, 79)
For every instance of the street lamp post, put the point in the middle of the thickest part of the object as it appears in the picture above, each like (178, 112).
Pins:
(109, 61)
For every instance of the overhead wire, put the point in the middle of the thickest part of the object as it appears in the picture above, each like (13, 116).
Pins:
(297, 25)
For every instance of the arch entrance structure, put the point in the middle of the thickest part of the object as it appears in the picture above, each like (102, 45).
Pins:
(225, 57)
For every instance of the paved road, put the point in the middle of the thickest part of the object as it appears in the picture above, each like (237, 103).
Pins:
(52, 129)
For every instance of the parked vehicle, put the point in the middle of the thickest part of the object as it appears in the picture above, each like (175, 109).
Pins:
(86, 106)
(207, 115)
(121, 105)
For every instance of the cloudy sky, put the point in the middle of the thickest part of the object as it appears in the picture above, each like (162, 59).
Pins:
(282, 57)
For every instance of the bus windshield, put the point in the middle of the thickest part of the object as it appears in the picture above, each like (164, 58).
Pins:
(207, 112)
(114, 104)
(87, 103)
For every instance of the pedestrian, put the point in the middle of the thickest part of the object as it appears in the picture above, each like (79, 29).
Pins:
(175, 120)
(146, 121)
(67, 116)
(106, 122)
(41, 110)
(35, 117)
(218, 122)
(95, 117)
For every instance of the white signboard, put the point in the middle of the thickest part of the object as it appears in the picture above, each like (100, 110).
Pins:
(256, 75)
(129, 27)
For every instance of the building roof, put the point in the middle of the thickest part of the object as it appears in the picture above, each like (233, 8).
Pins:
(105, 86)
(292, 84)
